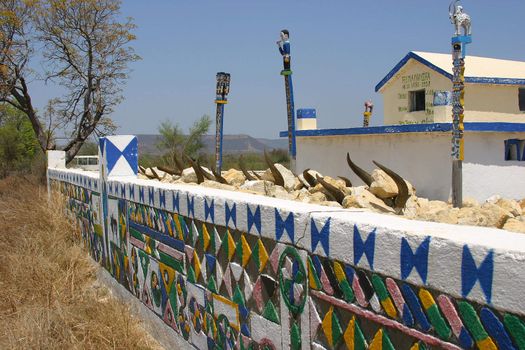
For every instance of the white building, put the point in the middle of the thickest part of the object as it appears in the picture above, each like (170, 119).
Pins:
(416, 138)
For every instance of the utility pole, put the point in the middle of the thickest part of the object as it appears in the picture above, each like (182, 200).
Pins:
(222, 90)
(459, 42)
(284, 49)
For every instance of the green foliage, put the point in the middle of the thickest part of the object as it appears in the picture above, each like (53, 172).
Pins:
(88, 149)
(174, 143)
(252, 160)
(18, 144)
(149, 160)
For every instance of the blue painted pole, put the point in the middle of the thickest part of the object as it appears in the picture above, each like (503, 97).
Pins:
(284, 49)
(222, 90)
(219, 136)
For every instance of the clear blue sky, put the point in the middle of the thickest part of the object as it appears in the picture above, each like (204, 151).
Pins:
(340, 50)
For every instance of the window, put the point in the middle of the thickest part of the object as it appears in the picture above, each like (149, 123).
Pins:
(521, 99)
(417, 101)
(514, 149)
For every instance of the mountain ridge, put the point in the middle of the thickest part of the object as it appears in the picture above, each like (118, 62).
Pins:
(234, 143)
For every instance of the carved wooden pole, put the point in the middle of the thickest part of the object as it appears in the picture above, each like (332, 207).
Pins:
(459, 43)
(222, 90)
(284, 49)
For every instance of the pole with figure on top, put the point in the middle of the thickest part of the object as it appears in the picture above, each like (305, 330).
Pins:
(369, 106)
(284, 49)
(222, 90)
(459, 41)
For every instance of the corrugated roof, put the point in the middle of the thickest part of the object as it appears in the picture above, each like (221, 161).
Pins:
(481, 70)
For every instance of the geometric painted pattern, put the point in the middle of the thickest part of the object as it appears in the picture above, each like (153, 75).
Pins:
(213, 284)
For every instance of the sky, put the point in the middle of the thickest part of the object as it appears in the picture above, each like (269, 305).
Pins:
(340, 50)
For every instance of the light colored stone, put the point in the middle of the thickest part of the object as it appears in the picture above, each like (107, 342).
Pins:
(317, 197)
(522, 204)
(316, 188)
(331, 204)
(365, 199)
(493, 199)
(282, 193)
(470, 202)
(188, 175)
(489, 215)
(142, 176)
(298, 184)
(149, 173)
(234, 177)
(338, 183)
(446, 215)
(510, 205)
(259, 186)
(215, 184)
(288, 176)
(412, 207)
(267, 175)
(383, 186)
(160, 173)
(514, 225)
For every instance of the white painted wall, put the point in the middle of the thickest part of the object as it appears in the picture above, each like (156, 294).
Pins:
(423, 159)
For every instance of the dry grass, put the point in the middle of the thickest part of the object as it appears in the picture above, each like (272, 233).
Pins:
(49, 297)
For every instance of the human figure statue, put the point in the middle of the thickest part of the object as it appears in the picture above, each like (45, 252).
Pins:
(369, 106)
(459, 18)
(284, 48)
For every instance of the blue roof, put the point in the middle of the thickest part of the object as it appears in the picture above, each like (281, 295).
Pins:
(399, 129)
(471, 79)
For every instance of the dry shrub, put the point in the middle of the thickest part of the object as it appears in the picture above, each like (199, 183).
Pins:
(49, 296)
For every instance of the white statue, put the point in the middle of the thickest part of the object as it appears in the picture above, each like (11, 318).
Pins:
(459, 18)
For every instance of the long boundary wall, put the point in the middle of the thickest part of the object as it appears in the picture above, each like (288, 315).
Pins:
(230, 270)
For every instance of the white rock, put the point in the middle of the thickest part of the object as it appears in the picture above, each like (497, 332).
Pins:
(288, 176)
(259, 186)
(188, 175)
(234, 177)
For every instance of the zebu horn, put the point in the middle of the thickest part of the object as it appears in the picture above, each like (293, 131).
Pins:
(334, 191)
(347, 181)
(247, 175)
(402, 187)
(218, 177)
(206, 174)
(309, 178)
(278, 178)
(197, 169)
(363, 175)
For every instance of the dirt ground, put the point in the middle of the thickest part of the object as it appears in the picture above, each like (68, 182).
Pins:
(49, 297)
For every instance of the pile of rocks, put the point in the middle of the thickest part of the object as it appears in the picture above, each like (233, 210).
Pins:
(379, 196)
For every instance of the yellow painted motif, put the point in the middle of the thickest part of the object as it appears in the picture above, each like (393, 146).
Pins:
(327, 325)
(246, 251)
(348, 336)
(196, 265)
(486, 344)
(205, 237)
(169, 273)
(389, 307)
(426, 298)
(339, 272)
(178, 226)
(377, 342)
(415, 346)
(263, 255)
(231, 245)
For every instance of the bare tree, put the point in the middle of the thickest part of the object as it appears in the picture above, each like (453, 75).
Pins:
(84, 48)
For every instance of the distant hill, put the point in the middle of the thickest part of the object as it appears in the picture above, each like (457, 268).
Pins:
(231, 144)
